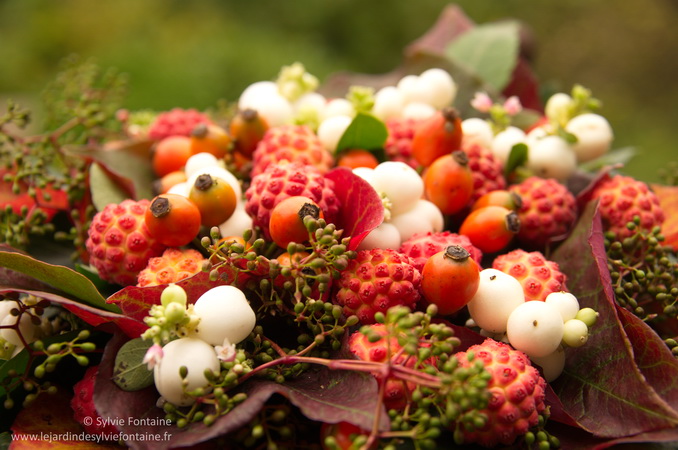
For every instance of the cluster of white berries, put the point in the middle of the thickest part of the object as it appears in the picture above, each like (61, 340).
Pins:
(214, 324)
(569, 135)
(293, 99)
(12, 319)
(406, 212)
(539, 329)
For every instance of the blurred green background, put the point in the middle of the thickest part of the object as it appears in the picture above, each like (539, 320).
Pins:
(192, 54)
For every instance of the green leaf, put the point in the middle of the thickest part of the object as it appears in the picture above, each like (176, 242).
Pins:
(618, 156)
(104, 189)
(517, 158)
(60, 277)
(365, 132)
(130, 373)
(489, 51)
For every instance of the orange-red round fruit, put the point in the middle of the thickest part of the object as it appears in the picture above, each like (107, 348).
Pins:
(448, 182)
(170, 154)
(341, 434)
(208, 138)
(357, 158)
(247, 128)
(436, 136)
(173, 219)
(450, 279)
(165, 183)
(490, 228)
(287, 220)
(215, 198)
(500, 197)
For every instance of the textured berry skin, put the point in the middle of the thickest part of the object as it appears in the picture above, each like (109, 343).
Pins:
(296, 143)
(538, 275)
(396, 392)
(622, 198)
(398, 144)
(517, 394)
(282, 180)
(548, 212)
(376, 280)
(421, 246)
(82, 404)
(174, 265)
(486, 169)
(119, 243)
(176, 122)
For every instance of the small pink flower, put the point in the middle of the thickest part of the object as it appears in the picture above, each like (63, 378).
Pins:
(225, 352)
(512, 105)
(153, 356)
(482, 102)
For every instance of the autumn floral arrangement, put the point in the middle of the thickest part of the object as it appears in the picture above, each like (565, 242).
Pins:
(434, 257)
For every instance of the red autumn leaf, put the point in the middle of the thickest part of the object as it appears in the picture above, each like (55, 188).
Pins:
(361, 207)
(48, 423)
(614, 385)
(668, 200)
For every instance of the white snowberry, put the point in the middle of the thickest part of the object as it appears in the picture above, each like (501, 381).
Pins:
(418, 110)
(594, 136)
(442, 87)
(338, 107)
(551, 157)
(331, 129)
(386, 235)
(200, 161)
(400, 183)
(565, 302)
(407, 86)
(272, 106)
(388, 103)
(552, 364)
(558, 108)
(575, 333)
(497, 296)
(535, 328)
(504, 141)
(478, 131)
(27, 329)
(197, 355)
(423, 217)
(238, 223)
(224, 313)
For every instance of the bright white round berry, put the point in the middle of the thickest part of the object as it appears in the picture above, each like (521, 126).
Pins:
(366, 173)
(388, 103)
(238, 223)
(442, 87)
(575, 333)
(565, 302)
(386, 235)
(537, 133)
(497, 296)
(552, 364)
(220, 173)
(478, 131)
(338, 107)
(418, 110)
(275, 108)
(331, 129)
(587, 315)
(6, 306)
(173, 293)
(424, 217)
(504, 141)
(551, 157)
(256, 90)
(311, 100)
(224, 313)
(400, 183)
(594, 136)
(27, 329)
(558, 107)
(535, 328)
(197, 355)
(183, 189)
(200, 161)
(407, 86)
